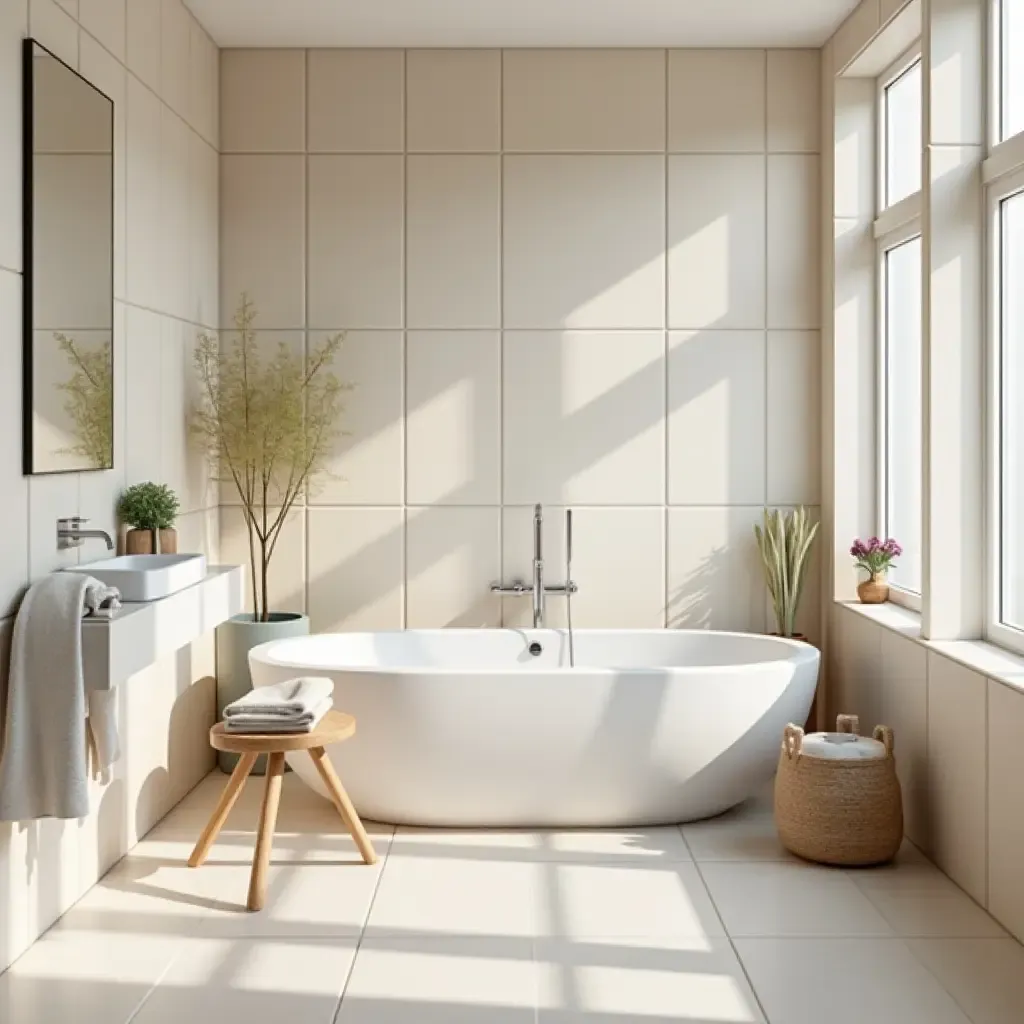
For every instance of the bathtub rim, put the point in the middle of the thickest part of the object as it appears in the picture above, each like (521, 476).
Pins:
(802, 653)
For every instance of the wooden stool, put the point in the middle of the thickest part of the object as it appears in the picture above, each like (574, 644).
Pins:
(333, 728)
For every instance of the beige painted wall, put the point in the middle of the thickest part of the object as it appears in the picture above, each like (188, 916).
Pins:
(160, 68)
(575, 277)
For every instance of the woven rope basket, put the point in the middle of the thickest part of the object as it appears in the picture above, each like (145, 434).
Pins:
(839, 811)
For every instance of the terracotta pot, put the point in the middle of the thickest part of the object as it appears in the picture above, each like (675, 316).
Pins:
(140, 542)
(874, 590)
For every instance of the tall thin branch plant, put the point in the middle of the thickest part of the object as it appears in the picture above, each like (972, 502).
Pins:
(785, 542)
(268, 423)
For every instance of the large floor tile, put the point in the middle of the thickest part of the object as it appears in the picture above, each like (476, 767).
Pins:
(746, 833)
(702, 982)
(441, 981)
(665, 906)
(918, 900)
(457, 896)
(606, 846)
(985, 976)
(86, 976)
(844, 981)
(256, 982)
(767, 899)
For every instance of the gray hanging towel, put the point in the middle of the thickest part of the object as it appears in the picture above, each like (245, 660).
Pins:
(43, 754)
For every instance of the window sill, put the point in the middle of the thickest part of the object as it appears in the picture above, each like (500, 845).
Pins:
(980, 656)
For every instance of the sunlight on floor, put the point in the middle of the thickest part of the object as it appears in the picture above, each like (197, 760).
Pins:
(711, 922)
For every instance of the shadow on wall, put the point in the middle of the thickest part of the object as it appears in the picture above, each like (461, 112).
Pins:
(716, 244)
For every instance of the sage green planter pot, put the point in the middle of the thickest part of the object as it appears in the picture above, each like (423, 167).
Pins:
(235, 639)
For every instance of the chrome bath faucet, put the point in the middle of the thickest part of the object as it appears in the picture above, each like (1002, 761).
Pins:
(539, 590)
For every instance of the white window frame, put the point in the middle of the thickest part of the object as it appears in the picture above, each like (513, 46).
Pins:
(897, 69)
(1003, 186)
(894, 225)
(1003, 177)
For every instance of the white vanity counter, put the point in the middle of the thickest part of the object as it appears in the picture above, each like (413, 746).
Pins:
(142, 633)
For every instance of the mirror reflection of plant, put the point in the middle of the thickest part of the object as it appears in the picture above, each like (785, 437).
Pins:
(268, 424)
(90, 400)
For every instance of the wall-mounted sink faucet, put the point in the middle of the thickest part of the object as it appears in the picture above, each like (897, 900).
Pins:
(71, 535)
(539, 590)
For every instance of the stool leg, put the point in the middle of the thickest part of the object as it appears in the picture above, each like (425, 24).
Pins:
(344, 806)
(265, 837)
(222, 810)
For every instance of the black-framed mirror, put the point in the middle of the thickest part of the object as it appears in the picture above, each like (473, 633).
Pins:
(68, 268)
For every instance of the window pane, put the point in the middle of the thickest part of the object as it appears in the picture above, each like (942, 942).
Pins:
(1011, 414)
(903, 409)
(1012, 67)
(903, 136)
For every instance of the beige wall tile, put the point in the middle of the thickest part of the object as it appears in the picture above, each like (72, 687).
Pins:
(905, 711)
(621, 584)
(794, 101)
(144, 212)
(453, 417)
(175, 43)
(204, 79)
(287, 577)
(794, 418)
(356, 560)
(262, 101)
(584, 418)
(13, 28)
(143, 425)
(956, 772)
(367, 467)
(714, 572)
(453, 101)
(716, 402)
(355, 241)
(550, 97)
(793, 205)
(14, 538)
(356, 101)
(454, 554)
(263, 237)
(55, 28)
(559, 213)
(204, 242)
(716, 101)
(106, 20)
(1005, 800)
(453, 212)
(857, 689)
(178, 211)
(50, 498)
(716, 233)
(143, 40)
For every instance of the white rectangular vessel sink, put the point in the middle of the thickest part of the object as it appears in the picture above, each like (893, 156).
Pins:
(146, 577)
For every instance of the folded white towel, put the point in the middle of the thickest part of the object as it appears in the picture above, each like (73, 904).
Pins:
(287, 701)
(275, 724)
(99, 600)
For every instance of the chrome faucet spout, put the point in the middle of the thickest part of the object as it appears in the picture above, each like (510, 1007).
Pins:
(71, 535)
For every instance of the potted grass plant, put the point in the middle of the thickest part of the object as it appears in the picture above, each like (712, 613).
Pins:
(149, 511)
(785, 541)
(267, 419)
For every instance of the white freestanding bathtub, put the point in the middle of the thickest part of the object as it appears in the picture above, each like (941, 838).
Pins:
(461, 727)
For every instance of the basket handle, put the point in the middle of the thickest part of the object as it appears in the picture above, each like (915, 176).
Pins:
(792, 740)
(884, 735)
(848, 723)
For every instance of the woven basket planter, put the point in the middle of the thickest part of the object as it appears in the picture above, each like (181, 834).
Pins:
(846, 811)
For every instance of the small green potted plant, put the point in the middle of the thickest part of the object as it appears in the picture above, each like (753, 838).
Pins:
(268, 420)
(785, 543)
(150, 511)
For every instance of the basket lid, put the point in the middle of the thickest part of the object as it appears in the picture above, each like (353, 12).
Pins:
(842, 746)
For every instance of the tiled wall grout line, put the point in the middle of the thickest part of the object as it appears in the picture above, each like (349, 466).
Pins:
(666, 432)
(502, 603)
(405, 339)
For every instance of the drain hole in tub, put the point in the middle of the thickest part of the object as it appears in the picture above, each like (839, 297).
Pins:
(535, 648)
